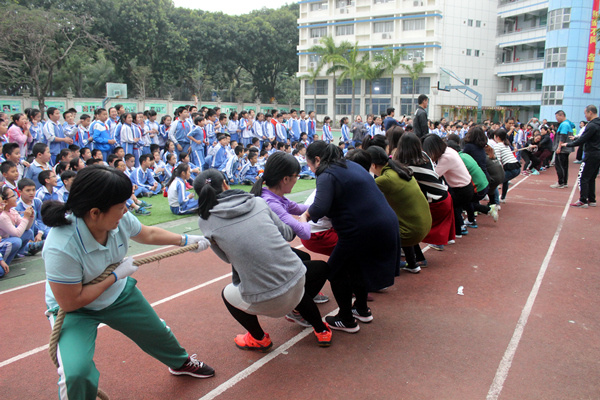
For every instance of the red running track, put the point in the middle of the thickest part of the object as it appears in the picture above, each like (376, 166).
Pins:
(425, 342)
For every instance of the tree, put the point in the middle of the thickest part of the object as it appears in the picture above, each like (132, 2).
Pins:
(414, 73)
(327, 52)
(311, 79)
(38, 41)
(351, 67)
(371, 73)
(390, 60)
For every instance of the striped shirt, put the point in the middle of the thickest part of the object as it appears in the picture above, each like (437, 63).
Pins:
(504, 154)
(430, 183)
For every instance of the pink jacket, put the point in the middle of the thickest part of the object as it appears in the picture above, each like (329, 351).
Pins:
(11, 224)
(16, 135)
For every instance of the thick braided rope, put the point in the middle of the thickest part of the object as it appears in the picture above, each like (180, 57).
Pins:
(60, 316)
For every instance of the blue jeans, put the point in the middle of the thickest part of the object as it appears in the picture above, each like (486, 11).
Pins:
(9, 248)
(508, 176)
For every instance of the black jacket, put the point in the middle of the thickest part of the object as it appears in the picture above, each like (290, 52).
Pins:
(590, 137)
(420, 126)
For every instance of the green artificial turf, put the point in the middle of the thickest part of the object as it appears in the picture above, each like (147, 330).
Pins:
(162, 213)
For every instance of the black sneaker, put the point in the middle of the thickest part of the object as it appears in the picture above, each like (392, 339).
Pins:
(363, 315)
(336, 323)
(194, 368)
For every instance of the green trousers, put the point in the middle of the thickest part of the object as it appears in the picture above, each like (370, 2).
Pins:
(130, 314)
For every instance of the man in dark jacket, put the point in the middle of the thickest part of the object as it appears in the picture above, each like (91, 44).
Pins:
(591, 160)
(390, 121)
(420, 125)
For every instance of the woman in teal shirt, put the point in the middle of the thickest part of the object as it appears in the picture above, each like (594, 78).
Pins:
(90, 232)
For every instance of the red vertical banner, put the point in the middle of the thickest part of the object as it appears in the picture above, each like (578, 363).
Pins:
(591, 58)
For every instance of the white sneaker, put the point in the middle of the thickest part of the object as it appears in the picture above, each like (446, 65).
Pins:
(494, 212)
(556, 186)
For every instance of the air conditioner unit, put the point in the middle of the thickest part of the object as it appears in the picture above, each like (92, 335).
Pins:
(315, 40)
(417, 3)
(416, 60)
(312, 65)
(344, 11)
(386, 35)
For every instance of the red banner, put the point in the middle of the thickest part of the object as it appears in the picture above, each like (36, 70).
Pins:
(591, 58)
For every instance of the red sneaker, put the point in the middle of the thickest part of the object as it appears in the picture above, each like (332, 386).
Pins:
(247, 342)
(324, 338)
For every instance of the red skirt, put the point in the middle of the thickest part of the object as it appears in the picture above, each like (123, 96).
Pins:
(442, 222)
(322, 242)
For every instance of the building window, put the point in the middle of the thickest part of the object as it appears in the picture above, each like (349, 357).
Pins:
(321, 107)
(559, 19)
(413, 24)
(422, 86)
(344, 3)
(408, 106)
(318, 32)
(552, 95)
(343, 30)
(314, 58)
(322, 85)
(468, 52)
(476, 54)
(379, 107)
(345, 87)
(414, 53)
(477, 24)
(342, 106)
(380, 86)
(383, 27)
(467, 81)
(556, 57)
(318, 6)
(475, 82)
(470, 22)
(375, 54)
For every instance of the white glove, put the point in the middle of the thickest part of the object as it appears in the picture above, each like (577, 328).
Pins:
(125, 269)
(203, 243)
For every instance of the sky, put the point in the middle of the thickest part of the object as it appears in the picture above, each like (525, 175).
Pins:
(232, 7)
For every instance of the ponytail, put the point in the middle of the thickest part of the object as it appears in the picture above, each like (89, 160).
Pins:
(329, 154)
(380, 158)
(53, 213)
(207, 186)
(257, 187)
(181, 168)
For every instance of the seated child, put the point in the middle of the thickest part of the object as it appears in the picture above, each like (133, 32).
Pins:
(15, 229)
(233, 166)
(67, 179)
(11, 175)
(249, 172)
(47, 190)
(133, 203)
(42, 155)
(28, 199)
(143, 177)
(180, 201)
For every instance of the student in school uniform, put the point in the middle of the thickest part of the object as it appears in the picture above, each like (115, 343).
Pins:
(233, 166)
(143, 177)
(151, 127)
(245, 128)
(83, 137)
(69, 126)
(345, 131)
(220, 157)
(47, 190)
(18, 132)
(180, 201)
(295, 125)
(12, 152)
(249, 172)
(53, 133)
(35, 128)
(327, 135)
(259, 128)
(199, 139)
(130, 137)
(375, 129)
(179, 130)
(281, 131)
(311, 125)
(222, 123)
(269, 128)
(101, 135)
(163, 130)
(139, 130)
(233, 126)
(211, 134)
(42, 155)
(302, 121)
(28, 199)
(66, 178)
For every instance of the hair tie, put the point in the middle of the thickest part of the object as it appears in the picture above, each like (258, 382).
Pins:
(208, 180)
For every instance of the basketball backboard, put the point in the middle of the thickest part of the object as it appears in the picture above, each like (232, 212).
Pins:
(116, 90)
(444, 82)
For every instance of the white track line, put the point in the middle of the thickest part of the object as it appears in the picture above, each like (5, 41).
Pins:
(156, 303)
(518, 183)
(505, 364)
(231, 382)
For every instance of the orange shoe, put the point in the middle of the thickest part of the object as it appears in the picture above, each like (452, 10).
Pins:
(247, 342)
(324, 338)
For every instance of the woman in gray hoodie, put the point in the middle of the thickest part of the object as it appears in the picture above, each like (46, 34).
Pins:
(268, 278)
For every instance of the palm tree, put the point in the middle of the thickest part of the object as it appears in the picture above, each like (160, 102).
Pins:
(390, 60)
(351, 68)
(311, 79)
(328, 51)
(414, 73)
(371, 73)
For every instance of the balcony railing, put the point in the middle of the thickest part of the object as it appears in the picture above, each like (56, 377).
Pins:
(516, 91)
(518, 60)
(522, 30)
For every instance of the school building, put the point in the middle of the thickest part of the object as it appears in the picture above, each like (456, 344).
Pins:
(511, 52)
